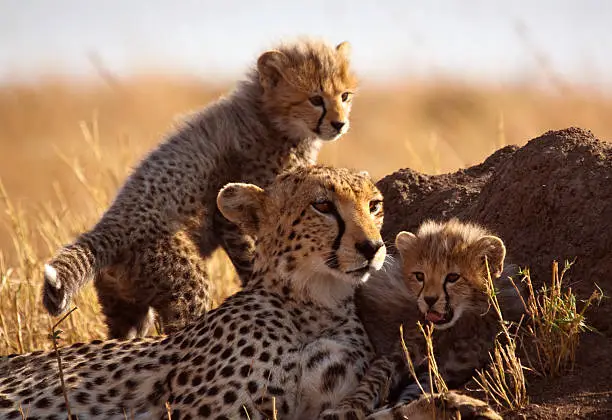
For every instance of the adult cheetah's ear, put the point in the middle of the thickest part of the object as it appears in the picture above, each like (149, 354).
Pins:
(270, 66)
(492, 250)
(242, 204)
(344, 48)
(405, 242)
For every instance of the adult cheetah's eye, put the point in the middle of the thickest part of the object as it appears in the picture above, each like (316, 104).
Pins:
(376, 206)
(345, 96)
(316, 100)
(452, 277)
(419, 276)
(324, 207)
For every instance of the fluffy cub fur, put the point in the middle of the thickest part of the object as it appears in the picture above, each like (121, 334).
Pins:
(146, 251)
(439, 279)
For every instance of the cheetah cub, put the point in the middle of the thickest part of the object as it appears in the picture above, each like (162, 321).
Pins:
(440, 280)
(146, 251)
(287, 346)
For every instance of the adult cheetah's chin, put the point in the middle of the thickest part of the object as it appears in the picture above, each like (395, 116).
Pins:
(365, 278)
(362, 275)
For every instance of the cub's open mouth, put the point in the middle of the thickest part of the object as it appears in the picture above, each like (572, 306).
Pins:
(437, 318)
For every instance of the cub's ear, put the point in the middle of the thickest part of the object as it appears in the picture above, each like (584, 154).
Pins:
(344, 48)
(405, 242)
(270, 66)
(491, 249)
(242, 204)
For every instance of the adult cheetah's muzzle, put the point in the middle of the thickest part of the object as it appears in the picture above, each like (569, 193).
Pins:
(369, 248)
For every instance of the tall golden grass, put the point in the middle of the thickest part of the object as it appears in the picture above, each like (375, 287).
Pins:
(65, 147)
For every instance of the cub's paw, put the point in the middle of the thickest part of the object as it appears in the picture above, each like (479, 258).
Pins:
(55, 295)
(342, 414)
(470, 408)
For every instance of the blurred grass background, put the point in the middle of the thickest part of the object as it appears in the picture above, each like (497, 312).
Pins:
(66, 146)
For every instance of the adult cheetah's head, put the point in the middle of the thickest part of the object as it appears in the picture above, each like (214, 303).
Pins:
(308, 88)
(445, 267)
(317, 227)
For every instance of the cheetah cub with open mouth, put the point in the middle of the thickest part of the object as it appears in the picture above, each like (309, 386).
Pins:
(440, 279)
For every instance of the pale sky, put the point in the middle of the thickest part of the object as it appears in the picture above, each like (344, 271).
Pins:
(477, 39)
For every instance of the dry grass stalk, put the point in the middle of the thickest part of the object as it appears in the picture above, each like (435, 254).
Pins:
(24, 415)
(503, 380)
(435, 378)
(168, 410)
(409, 360)
(55, 336)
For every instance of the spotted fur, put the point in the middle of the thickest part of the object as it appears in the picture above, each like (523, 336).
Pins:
(424, 287)
(290, 340)
(146, 252)
(287, 346)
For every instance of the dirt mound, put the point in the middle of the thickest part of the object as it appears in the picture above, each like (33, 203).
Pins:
(549, 200)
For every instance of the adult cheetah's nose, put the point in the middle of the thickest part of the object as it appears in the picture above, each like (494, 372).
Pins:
(338, 125)
(369, 248)
(430, 300)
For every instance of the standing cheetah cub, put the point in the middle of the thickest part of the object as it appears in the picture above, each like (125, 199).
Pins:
(287, 346)
(146, 251)
(439, 280)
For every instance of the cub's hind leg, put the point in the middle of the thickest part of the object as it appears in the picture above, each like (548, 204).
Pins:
(179, 275)
(126, 317)
(182, 306)
(168, 275)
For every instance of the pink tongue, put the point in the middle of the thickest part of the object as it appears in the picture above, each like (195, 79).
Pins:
(433, 316)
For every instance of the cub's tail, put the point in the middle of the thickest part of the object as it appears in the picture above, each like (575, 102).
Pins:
(65, 274)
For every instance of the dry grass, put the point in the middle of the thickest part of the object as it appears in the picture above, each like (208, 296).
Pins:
(555, 324)
(66, 147)
(547, 339)
(503, 380)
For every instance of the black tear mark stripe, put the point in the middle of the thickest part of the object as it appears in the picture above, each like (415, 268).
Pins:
(447, 306)
(318, 129)
(333, 261)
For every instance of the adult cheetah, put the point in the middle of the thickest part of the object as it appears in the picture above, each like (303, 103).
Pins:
(289, 344)
(440, 279)
(146, 251)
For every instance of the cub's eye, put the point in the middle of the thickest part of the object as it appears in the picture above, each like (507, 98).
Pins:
(419, 276)
(324, 207)
(452, 277)
(316, 100)
(375, 206)
(345, 96)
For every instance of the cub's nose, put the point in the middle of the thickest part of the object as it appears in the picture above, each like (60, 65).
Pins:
(430, 300)
(369, 248)
(338, 125)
